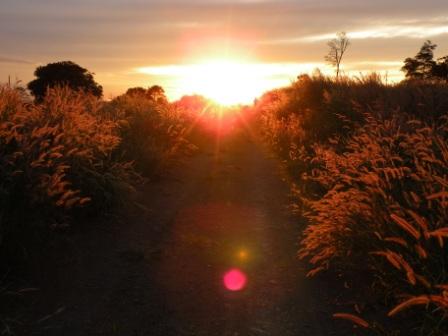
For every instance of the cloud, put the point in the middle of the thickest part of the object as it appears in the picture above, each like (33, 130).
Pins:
(382, 64)
(382, 32)
(14, 61)
(387, 32)
(112, 36)
(262, 69)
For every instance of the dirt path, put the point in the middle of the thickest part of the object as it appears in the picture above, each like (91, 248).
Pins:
(163, 274)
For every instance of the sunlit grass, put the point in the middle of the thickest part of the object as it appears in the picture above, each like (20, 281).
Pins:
(370, 162)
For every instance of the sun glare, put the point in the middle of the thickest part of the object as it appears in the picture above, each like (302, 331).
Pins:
(225, 82)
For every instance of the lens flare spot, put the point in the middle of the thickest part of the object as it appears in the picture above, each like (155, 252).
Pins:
(243, 255)
(235, 280)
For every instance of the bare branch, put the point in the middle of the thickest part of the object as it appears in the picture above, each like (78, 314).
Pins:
(338, 47)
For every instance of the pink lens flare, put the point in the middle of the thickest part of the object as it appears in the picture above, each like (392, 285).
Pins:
(235, 280)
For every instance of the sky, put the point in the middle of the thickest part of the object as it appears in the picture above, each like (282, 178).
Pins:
(183, 45)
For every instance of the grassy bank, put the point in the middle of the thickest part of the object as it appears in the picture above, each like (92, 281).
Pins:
(369, 163)
(70, 160)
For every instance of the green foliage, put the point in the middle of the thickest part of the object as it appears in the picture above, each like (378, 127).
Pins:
(64, 73)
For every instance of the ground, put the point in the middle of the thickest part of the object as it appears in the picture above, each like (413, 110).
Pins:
(160, 271)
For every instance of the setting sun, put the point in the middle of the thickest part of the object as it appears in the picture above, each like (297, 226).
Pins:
(227, 81)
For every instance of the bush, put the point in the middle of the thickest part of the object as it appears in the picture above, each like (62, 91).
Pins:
(71, 156)
(384, 211)
(327, 108)
(152, 132)
(63, 73)
(373, 186)
(56, 158)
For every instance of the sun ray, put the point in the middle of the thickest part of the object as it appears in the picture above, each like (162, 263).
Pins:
(230, 80)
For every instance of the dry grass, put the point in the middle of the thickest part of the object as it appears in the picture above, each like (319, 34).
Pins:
(374, 186)
(72, 156)
(56, 162)
(153, 133)
(57, 155)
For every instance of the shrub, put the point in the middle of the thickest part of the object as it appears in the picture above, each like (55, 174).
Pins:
(153, 132)
(373, 186)
(63, 73)
(69, 156)
(385, 211)
(56, 158)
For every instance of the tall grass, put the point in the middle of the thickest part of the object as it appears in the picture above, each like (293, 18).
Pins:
(371, 166)
(57, 156)
(73, 156)
(153, 133)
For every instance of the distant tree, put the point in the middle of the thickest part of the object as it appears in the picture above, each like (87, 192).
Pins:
(440, 70)
(63, 73)
(156, 93)
(193, 104)
(411, 68)
(338, 47)
(422, 66)
(136, 92)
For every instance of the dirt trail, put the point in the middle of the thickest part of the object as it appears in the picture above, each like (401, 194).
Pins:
(162, 274)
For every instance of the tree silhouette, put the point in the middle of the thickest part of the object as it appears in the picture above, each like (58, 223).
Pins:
(338, 47)
(441, 68)
(157, 93)
(63, 73)
(136, 92)
(422, 66)
(193, 103)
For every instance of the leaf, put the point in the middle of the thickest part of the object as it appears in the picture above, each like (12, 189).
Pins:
(314, 271)
(405, 225)
(419, 300)
(442, 194)
(353, 318)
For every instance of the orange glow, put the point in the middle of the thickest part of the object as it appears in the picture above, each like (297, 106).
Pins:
(226, 81)
(243, 255)
(235, 280)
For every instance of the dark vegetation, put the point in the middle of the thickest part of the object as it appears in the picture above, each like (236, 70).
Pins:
(63, 74)
(423, 66)
(369, 170)
(337, 49)
(368, 163)
(72, 154)
(70, 157)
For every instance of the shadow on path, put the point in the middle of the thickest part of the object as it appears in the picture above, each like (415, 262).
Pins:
(163, 274)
